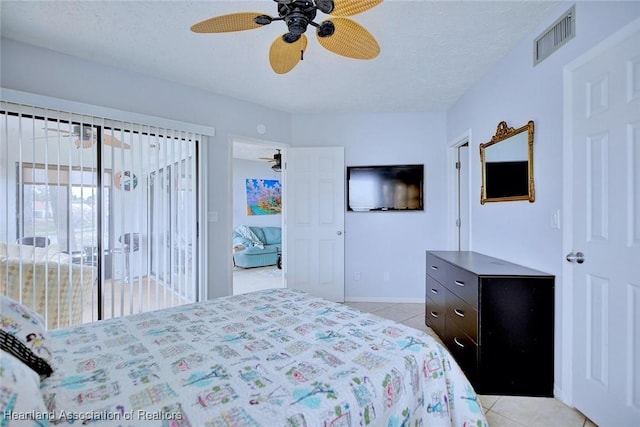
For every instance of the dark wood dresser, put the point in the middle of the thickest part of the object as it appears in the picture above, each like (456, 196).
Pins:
(496, 318)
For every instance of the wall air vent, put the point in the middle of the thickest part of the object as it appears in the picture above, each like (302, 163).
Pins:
(563, 30)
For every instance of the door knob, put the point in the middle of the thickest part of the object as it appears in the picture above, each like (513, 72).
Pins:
(575, 257)
(339, 233)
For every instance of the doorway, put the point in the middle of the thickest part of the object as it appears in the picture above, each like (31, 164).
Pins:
(458, 171)
(256, 193)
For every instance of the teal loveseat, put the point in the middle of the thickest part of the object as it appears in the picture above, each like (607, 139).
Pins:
(260, 246)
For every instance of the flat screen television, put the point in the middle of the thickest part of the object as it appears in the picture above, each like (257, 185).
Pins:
(385, 188)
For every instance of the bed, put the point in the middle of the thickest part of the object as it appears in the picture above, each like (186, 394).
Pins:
(270, 358)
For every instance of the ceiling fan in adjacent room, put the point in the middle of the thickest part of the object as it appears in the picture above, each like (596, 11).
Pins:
(87, 136)
(277, 161)
(338, 34)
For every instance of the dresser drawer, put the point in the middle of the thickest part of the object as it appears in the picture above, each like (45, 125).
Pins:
(434, 316)
(436, 268)
(463, 350)
(463, 284)
(435, 291)
(462, 314)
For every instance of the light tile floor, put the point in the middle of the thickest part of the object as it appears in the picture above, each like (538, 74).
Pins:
(253, 279)
(142, 294)
(501, 411)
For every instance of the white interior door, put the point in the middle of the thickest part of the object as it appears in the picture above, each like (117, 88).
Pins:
(605, 128)
(314, 185)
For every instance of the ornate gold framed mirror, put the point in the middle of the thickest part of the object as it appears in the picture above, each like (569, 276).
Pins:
(507, 165)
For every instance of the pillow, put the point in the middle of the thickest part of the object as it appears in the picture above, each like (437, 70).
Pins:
(19, 392)
(23, 334)
(249, 236)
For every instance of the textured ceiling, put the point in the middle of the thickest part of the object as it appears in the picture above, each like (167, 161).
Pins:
(431, 51)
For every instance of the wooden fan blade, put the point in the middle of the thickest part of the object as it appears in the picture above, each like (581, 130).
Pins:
(67, 132)
(108, 140)
(227, 23)
(115, 142)
(284, 56)
(85, 143)
(352, 7)
(350, 39)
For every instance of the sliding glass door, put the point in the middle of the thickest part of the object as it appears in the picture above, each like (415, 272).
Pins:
(170, 207)
(60, 203)
(154, 209)
(101, 216)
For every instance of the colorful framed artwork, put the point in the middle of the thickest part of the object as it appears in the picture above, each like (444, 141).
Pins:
(264, 196)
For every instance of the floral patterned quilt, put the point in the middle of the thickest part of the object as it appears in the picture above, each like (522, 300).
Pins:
(270, 358)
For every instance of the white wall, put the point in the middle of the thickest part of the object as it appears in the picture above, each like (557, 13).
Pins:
(387, 248)
(43, 72)
(516, 91)
(251, 169)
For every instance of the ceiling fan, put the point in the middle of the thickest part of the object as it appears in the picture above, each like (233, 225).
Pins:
(87, 137)
(339, 35)
(277, 161)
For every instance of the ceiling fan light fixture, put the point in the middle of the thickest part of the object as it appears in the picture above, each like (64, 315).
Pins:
(263, 19)
(297, 23)
(325, 6)
(277, 165)
(297, 15)
(326, 29)
(291, 37)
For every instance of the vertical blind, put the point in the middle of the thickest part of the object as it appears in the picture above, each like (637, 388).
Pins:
(99, 216)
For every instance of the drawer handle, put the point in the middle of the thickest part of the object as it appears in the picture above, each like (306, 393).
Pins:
(434, 267)
(458, 312)
(434, 314)
(459, 283)
(458, 343)
(434, 291)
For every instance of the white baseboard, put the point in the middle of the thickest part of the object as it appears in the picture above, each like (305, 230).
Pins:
(561, 396)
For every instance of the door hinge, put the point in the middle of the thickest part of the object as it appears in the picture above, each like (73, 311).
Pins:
(458, 223)
(458, 165)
